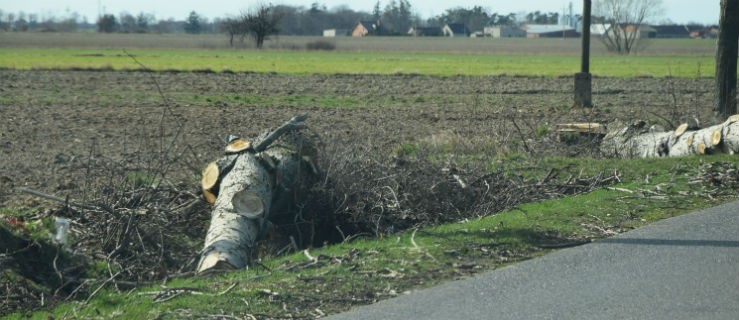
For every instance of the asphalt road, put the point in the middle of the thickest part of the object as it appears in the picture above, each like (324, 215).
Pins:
(685, 267)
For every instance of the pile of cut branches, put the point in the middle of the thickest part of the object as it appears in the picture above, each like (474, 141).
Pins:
(149, 233)
(718, 179)
(150, 236)
(363, 192)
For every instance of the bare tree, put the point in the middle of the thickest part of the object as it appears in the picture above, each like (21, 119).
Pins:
(261, 23)
(232, 27)
(626, 18)
(144, 21)
(726, 60)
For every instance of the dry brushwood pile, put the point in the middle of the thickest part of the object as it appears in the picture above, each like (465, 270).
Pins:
(125, 167)
(382, 196)
(140, 232)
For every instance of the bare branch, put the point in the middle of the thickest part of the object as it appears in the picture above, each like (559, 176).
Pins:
(290, 125)
(59, 199)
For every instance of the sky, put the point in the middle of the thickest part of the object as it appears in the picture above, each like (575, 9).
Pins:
(679, 11)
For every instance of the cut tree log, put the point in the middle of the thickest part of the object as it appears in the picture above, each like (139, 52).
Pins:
(582, 127)
(637, 141)
(253, 184)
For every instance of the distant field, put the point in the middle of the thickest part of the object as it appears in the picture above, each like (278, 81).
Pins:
(429, 56)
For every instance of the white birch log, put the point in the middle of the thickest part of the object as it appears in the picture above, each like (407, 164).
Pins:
(730, 135)
(234, 228)
(262, 182)
(637, 141)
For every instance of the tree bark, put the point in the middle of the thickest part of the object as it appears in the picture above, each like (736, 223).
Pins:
(230, 238)
(262, 183)
(726, 60)
(638, 141)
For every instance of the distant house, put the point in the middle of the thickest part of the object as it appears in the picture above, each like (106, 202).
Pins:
(671, 31)
(644, 31)
(336, 32)
(597, 30)
(705, 33)
(550, 31)
(630, 30)
(425, 31)
(366, 28)
(504, 32)
(455, 30)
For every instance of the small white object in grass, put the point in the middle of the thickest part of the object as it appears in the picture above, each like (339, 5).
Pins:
(62, 230)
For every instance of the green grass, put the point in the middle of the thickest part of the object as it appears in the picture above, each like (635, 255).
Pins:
(366, 270)
(307, 62)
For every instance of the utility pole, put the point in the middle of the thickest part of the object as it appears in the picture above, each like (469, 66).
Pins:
(583, 79)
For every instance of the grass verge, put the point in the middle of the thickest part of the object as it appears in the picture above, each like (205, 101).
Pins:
(316, 282)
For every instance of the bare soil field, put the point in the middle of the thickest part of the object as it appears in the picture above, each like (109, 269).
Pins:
(53, 122)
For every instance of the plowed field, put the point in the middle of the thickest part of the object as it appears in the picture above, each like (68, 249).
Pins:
(54, 124)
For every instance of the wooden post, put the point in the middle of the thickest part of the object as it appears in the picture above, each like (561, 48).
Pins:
(585, 66)
(583, 79)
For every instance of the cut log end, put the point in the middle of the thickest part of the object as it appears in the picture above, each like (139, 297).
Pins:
(210, 181)
(210, 176)
(214, 262)
(209, 196)
(716, 138)
(248, 204)
(701, 148)
(237, 145)
(680, 129)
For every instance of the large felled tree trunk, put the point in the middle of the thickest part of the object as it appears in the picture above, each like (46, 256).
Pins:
(726, 59)
(637, 140)
(249, 185)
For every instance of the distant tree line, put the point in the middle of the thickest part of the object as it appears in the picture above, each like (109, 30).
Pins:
(147, 23)
(396, 18)
(22, 22)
